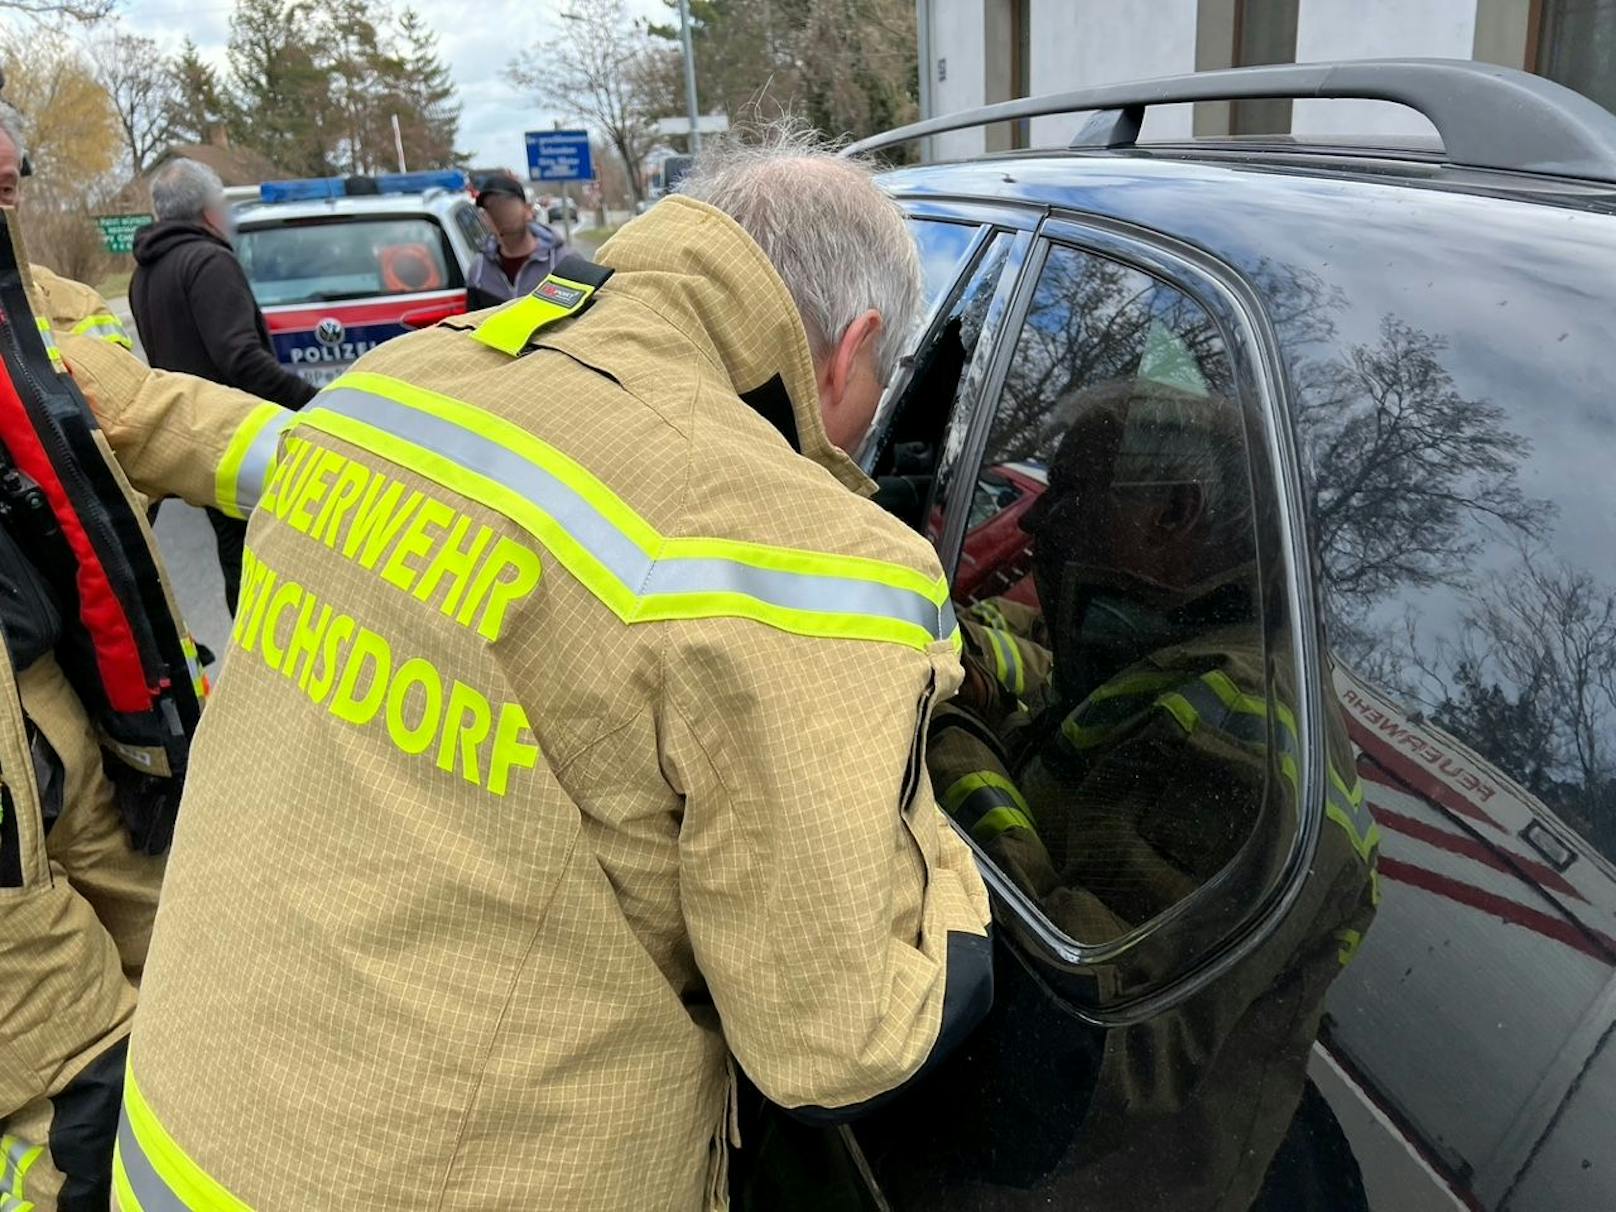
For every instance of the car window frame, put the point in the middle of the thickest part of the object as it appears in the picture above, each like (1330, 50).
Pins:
(972, 378)
(1253, 350)
(1019, 223)
(468, 218)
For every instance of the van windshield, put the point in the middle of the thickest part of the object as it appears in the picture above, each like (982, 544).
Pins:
(348, 258)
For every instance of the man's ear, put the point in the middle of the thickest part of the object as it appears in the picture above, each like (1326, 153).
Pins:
(856, 346)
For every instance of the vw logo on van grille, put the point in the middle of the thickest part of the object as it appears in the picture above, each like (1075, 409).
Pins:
(329, 331)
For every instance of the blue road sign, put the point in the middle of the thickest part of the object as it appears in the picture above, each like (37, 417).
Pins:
(559, 155)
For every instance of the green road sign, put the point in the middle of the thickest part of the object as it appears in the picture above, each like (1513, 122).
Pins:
(118, 231)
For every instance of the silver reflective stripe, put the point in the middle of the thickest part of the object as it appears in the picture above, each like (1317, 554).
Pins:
(255, 464)
(11, 1162)
(10, 1203)
(639, 572)
(152, 1192)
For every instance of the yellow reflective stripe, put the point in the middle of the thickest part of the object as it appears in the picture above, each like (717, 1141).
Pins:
(978, 780)
(227, 479)
(17, 1157)
(990, 614)
(49, 338)
(193, 661)
(1350, 941)
(9, 1203)
(988, 804)
(1137, 683)
(111, 327)
(1181, 709)
(633, 569)
(186, 1182)
(1007, 663)
(618, 512)
(999, 820)
(513, 437)
(1002, 661)
(510, 328)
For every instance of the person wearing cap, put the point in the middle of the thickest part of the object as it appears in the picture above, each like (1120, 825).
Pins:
(519, 254)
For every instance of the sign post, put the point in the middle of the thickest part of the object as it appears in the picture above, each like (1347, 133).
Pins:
(561, 156)
(118, 231)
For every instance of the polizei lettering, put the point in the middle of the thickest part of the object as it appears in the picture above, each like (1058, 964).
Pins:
(342, 351)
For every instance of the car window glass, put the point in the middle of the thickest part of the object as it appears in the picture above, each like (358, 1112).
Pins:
(942, 247)
(913, 418)
(471, 225)
(351, 259)
(1116, 738)
(994, 494)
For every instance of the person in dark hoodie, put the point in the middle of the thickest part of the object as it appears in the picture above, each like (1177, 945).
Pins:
(196, 314)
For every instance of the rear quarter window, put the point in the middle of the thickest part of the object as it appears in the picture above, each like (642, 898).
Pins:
(327, 260)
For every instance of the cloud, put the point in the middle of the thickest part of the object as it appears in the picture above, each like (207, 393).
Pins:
(477, 41)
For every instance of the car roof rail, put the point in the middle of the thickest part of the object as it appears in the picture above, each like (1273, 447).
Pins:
(1487, 116)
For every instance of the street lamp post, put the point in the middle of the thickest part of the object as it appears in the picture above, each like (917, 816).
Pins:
(690, 76)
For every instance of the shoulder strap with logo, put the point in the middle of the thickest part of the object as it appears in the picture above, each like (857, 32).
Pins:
(568, 291)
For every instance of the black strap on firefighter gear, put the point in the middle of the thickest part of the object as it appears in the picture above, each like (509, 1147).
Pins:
(568, 291)
(120, 648)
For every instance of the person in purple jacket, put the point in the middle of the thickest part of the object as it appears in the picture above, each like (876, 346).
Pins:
(521, 252)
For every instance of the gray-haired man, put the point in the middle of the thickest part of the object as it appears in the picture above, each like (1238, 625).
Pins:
(196, 313)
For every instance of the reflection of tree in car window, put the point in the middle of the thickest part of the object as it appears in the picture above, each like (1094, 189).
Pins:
(1433, 555)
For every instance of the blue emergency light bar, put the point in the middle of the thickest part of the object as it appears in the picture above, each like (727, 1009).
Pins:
(312, 189)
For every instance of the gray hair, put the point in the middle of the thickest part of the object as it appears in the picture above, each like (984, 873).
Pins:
(183, 189)
(840, 245)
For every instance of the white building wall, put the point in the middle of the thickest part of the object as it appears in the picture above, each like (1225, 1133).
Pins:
(1078, 43)
(957, 38)
(1376, 29)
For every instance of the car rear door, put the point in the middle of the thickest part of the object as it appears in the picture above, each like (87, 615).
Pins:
(334, 286)
(1028, 1115)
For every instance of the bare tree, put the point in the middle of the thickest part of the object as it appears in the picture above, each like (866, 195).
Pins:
(1530, 682)
(132, 72)
(76, 10)
(1406, 469)
(600, 68)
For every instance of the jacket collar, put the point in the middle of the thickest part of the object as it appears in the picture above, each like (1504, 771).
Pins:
(699, 270)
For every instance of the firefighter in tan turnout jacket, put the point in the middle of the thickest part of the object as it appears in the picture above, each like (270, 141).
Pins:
(84, 809)
(570, 742)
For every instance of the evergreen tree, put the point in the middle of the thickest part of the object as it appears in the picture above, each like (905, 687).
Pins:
(281, 87)
(199, 104)
(429, 116)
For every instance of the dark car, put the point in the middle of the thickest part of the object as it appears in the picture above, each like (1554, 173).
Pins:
(1414, 346)
(561, 208)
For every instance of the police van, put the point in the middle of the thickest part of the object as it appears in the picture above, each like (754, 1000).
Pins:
(340, 265)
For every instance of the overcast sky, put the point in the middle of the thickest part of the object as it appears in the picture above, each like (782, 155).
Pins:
(477, 39)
